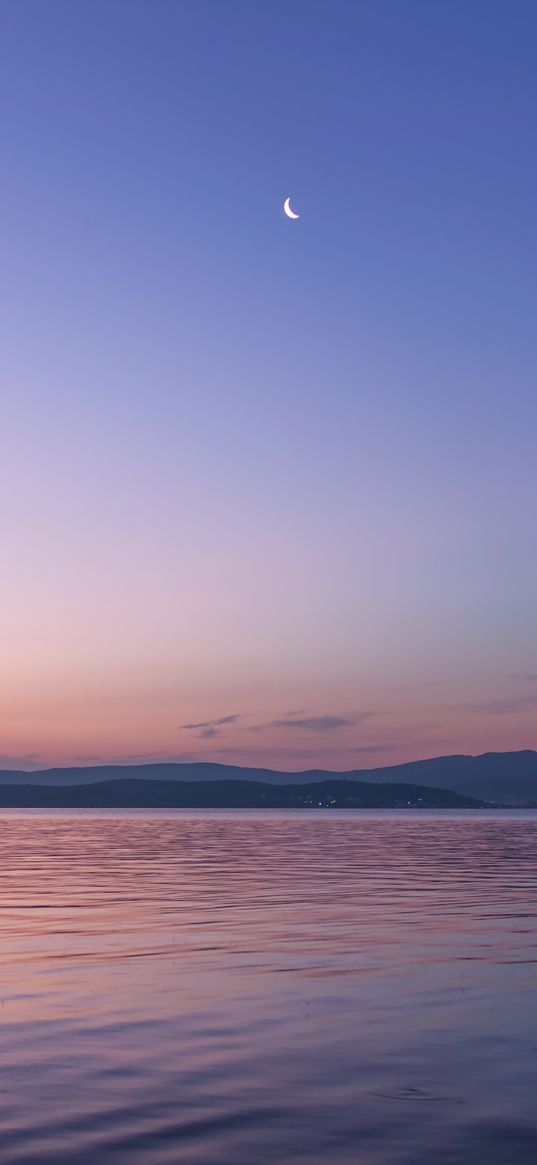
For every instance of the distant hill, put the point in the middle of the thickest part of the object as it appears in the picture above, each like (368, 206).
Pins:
(506, 777)
(510, 778)
(230, 794)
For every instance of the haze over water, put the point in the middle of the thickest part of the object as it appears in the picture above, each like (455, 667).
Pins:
(233, 988)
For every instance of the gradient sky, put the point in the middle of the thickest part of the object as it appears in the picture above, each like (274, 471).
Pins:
(278, 475)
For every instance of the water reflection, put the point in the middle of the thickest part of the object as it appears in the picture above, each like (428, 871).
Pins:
(232, 988)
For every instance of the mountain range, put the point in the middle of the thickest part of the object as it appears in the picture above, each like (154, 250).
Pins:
(509, 778)
(230, 794)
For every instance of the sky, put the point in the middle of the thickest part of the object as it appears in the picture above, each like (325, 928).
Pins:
(267, 486)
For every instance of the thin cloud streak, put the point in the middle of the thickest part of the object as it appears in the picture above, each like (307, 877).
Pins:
(313, 723)
(321, 723)
(213, 723)
(507, 706)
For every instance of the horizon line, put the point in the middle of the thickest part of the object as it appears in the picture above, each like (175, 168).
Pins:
(140, 764)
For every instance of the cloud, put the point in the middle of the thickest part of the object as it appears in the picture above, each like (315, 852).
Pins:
(309, 723)
(313, 723)
(207, 729)
(501, 707)
(213, 723)
(528, 676)
(210, 728)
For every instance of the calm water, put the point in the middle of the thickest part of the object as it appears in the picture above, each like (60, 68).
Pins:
(248, 989)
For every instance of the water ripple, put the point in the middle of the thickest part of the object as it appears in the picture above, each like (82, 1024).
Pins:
(228, 988)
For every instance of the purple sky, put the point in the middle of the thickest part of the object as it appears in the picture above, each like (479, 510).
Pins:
(274, 480)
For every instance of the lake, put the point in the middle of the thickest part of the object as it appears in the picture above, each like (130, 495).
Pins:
(246, 988)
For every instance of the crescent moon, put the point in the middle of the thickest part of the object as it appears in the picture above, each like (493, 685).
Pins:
(287, 208)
